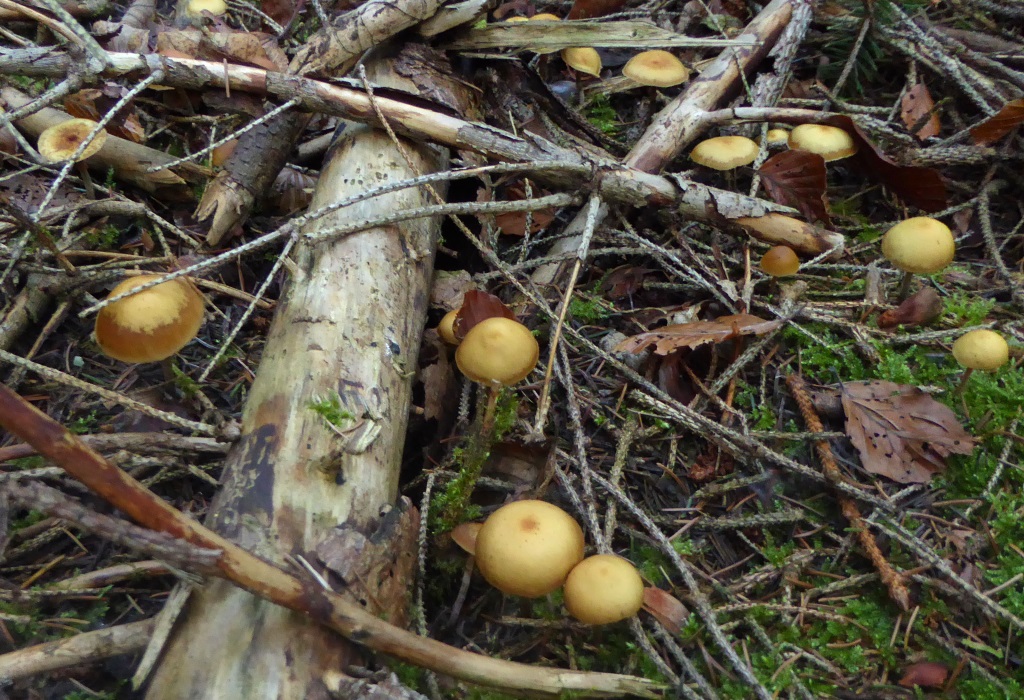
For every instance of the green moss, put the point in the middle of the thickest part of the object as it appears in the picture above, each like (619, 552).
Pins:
(589, 310)
(601, 114)
(331, 411)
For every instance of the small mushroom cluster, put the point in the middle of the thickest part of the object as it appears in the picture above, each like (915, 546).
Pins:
(656, 68)
(531, 548)
(496, 352)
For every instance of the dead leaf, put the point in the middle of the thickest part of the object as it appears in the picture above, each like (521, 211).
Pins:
(449, 288)
(918, 309)
(440, 391)
(797, 178)
(999, 124)
(587, 9)
(281, 11)
(251, 48)
(900, 431)
(926, 674)
(916, 104)
(624, 281)
(93, 103)
(666, 608)
(291, 192)
(692, 335)
(513, 223)
(922, 187)
(479, 306)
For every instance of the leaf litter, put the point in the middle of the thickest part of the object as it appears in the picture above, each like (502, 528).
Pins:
(900, 431)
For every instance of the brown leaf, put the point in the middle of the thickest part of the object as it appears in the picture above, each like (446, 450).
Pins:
(916, 104)
(918, 309)
(586, 9)
(479, 306)
(999, 124)
(513, 223)
(251, 48)
(797, 178)
(692, 335)
(922, 187)
(666, 608)
(900, 431)
(449, 288)
(281, 11)
(927, 674)
(624, 281)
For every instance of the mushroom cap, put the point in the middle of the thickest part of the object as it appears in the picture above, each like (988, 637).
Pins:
(527, 548)
(830, 142)
(725, 152)
(195, 8)
(497, 351)
(656, 68)
(603, 589)
(777, 137)
(780, 261)
(151, 325)
(920, 244)
(446, 328)
(981, 349)
(60, 141)
(584, 59)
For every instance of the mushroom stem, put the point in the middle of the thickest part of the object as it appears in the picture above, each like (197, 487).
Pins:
(961, 387)
(167, 366)
(487, 424)
(904, 290)
(83, 172)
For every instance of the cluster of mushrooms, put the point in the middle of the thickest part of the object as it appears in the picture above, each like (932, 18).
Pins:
(656, 68)
(531, 548)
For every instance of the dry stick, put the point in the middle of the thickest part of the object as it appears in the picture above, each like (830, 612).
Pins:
(306, 597)
(106, 394)
(50, 501)
(612, 181)
(895, 581)
(87, 647)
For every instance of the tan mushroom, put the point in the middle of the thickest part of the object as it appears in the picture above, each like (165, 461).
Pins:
(656, 68)
(830, 142)
(725, 152)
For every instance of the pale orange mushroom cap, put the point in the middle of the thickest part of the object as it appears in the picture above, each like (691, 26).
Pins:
(151, 325)
(921, 244)
(60, 141)
(195, 8)
(725, 152)
(656, 68)
(497, 350)
(981, 349)
(527, 548)
(584, 59)
(830, 142)
(780, 261)
(446, 328)
(603, 589)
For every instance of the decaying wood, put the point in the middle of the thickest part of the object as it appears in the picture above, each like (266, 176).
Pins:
(128, 160)
(560, 35)
(302, 595)
(615, 182)
(349, 331)
(262, 151)
(84, 648)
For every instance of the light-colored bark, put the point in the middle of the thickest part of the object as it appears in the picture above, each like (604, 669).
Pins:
(349, 327)
(84, 648)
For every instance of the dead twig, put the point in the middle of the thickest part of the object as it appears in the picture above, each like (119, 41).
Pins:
(894, 580)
